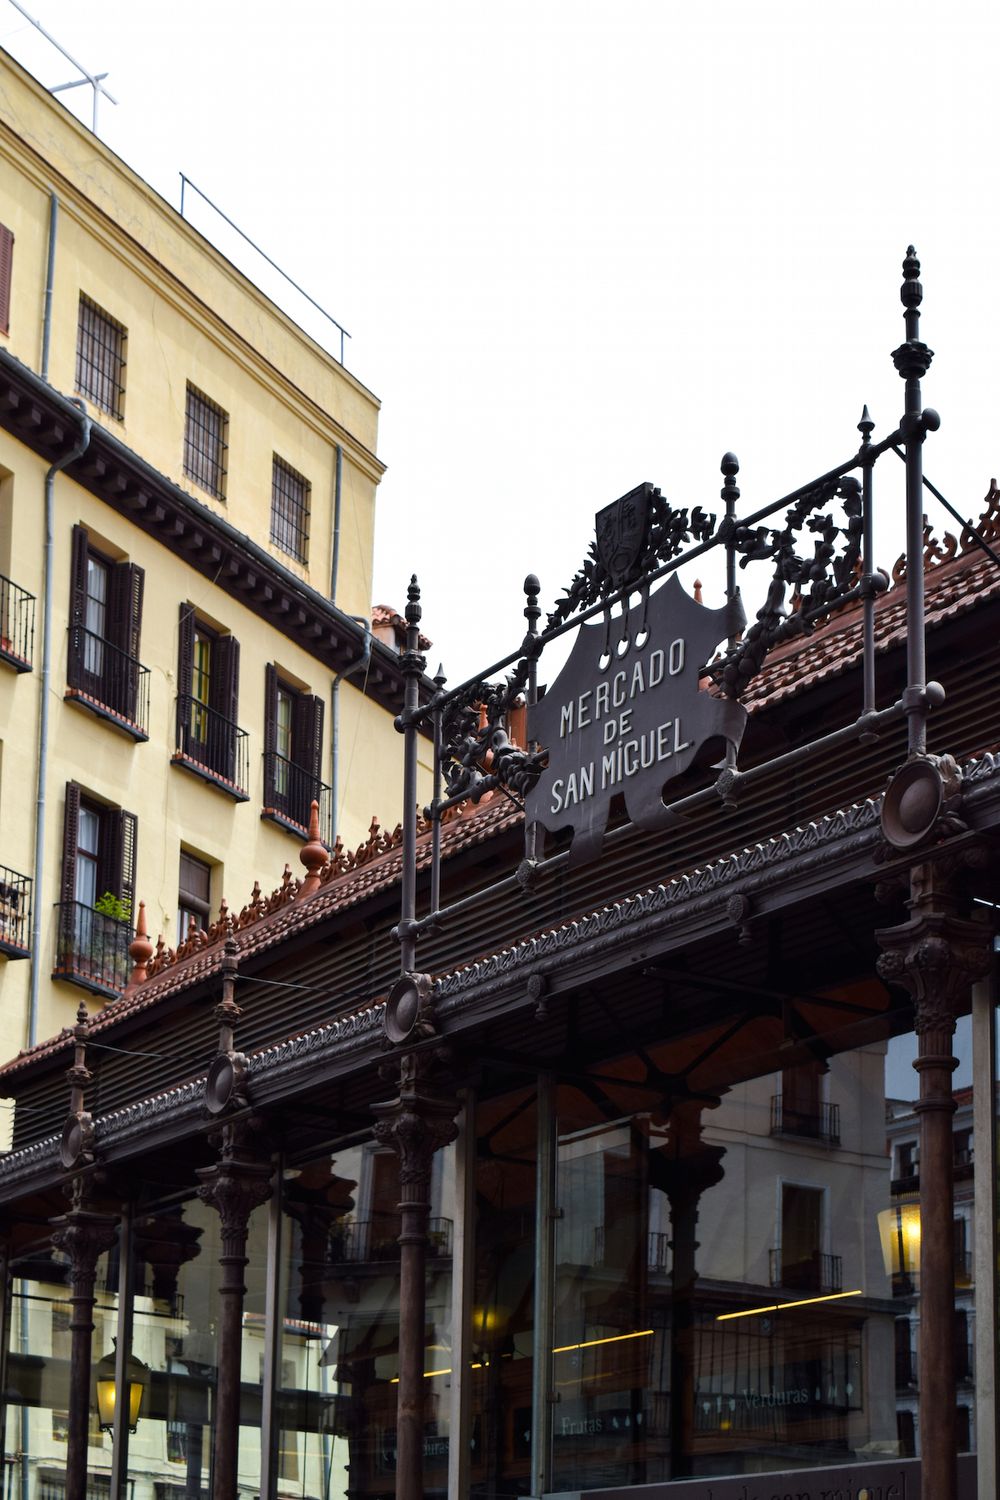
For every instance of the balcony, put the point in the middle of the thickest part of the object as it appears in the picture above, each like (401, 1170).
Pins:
(811, 1273)
(212, 747)
(106, 681)
(91, 949)
(289, 792)
(657, 1248)
(15, 913)
(17, 625)
(369, 1240)
(821, 1123)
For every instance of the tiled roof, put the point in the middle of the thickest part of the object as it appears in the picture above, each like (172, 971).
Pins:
(958, 578)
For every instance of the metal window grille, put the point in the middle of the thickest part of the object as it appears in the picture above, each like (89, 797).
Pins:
(205, 446)
(289, 509)
(100, 358)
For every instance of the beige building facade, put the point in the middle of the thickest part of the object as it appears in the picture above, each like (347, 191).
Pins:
(187, 493)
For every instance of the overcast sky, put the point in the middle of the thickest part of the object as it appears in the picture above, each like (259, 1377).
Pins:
(580, 245)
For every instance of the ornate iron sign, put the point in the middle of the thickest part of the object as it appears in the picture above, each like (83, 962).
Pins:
(624, 717)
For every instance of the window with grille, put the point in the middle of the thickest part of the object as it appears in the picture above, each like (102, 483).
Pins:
(100, 358)
(205, 443)
(289, 509)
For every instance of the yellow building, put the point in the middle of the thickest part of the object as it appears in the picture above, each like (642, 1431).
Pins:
(187, 492)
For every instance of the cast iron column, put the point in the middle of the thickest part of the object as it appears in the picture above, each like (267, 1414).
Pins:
(235, 1187)
(415, 1125)
(690, 1170)
(83, 1234)
(936, 955)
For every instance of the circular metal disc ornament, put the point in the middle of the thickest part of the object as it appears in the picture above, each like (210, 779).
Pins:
(77, 1135)
(912, 804)
(224, 1078)
(403, 1006)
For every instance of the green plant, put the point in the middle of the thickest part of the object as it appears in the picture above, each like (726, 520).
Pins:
(118, 907)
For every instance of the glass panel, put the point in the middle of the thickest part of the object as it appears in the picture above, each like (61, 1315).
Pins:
(338, 1362)
(726, 1298)
(503, 1313)
(96, 616)
(200, 686)
(38, 1375)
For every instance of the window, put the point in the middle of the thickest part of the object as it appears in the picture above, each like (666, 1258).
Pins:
(98, 894)
(6, 267)
(103, 671)
(205, 430)
(208, 679)
(293, 752)
(907, 1159)
(193, 886)
(100, 358)
(289, 509)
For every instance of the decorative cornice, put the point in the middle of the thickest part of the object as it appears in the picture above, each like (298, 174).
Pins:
(44, 420)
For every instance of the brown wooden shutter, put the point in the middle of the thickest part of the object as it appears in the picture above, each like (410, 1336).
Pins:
(119, 870)
(75, 675)
(225, 683)
(307, 737)
(71, 829)
(124, 629)
(270, 729)
(6, 271)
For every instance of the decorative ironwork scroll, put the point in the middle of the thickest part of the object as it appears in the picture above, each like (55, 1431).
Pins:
(476, 752)
(819, 581)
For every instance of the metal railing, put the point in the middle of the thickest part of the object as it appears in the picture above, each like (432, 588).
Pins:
(212, 746)
(91, 949)
(108, 680)
(657, 1248)
(289, 792)
(15, 913)
(367, 1240)
(17, 625)
(821, 1123)
(811, 1273)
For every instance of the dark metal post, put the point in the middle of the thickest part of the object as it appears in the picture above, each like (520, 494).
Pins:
(412, 664)
(123, 1343)
(234, 1188)
(936, 955)
(415, 1125)
(912, 360)
(5, 1332)
(532, 614)
(866, 427)
(730, 493)
(83, 1234)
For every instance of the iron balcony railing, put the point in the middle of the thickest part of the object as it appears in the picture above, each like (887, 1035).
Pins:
(289, 792)
(657, 1248)
(821, 1123)
(809, 1273)
(212, 746)
(366, 1240)
(108, 681)
(15, 913)
(17, 625)
(91, 949)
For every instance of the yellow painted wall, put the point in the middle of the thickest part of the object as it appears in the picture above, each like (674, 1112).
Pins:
(190, 317)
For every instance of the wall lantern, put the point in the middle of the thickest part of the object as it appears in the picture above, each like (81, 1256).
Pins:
(137, 1375)
(899, 1231)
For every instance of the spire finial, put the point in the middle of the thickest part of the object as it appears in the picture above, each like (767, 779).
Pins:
(140, 951)
(312, 854)
(866, 426)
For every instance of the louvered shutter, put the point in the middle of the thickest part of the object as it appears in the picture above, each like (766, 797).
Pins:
(71, 828)
(185, 666)
(122, 830)
(6, 270)
(225, 692)
(75, 674)
(307, 753)
(270, 731)
(121, 665)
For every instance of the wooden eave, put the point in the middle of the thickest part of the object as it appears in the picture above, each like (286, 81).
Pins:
(50, 425)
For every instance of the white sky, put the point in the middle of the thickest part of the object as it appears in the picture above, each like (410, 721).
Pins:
(579, 245)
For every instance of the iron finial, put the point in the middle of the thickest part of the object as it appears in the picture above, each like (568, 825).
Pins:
(439, 677)
(911, 293)
(730, 467)
(866, 426)
(413, 610)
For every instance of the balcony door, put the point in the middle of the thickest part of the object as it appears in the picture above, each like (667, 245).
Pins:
(801, 1236)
